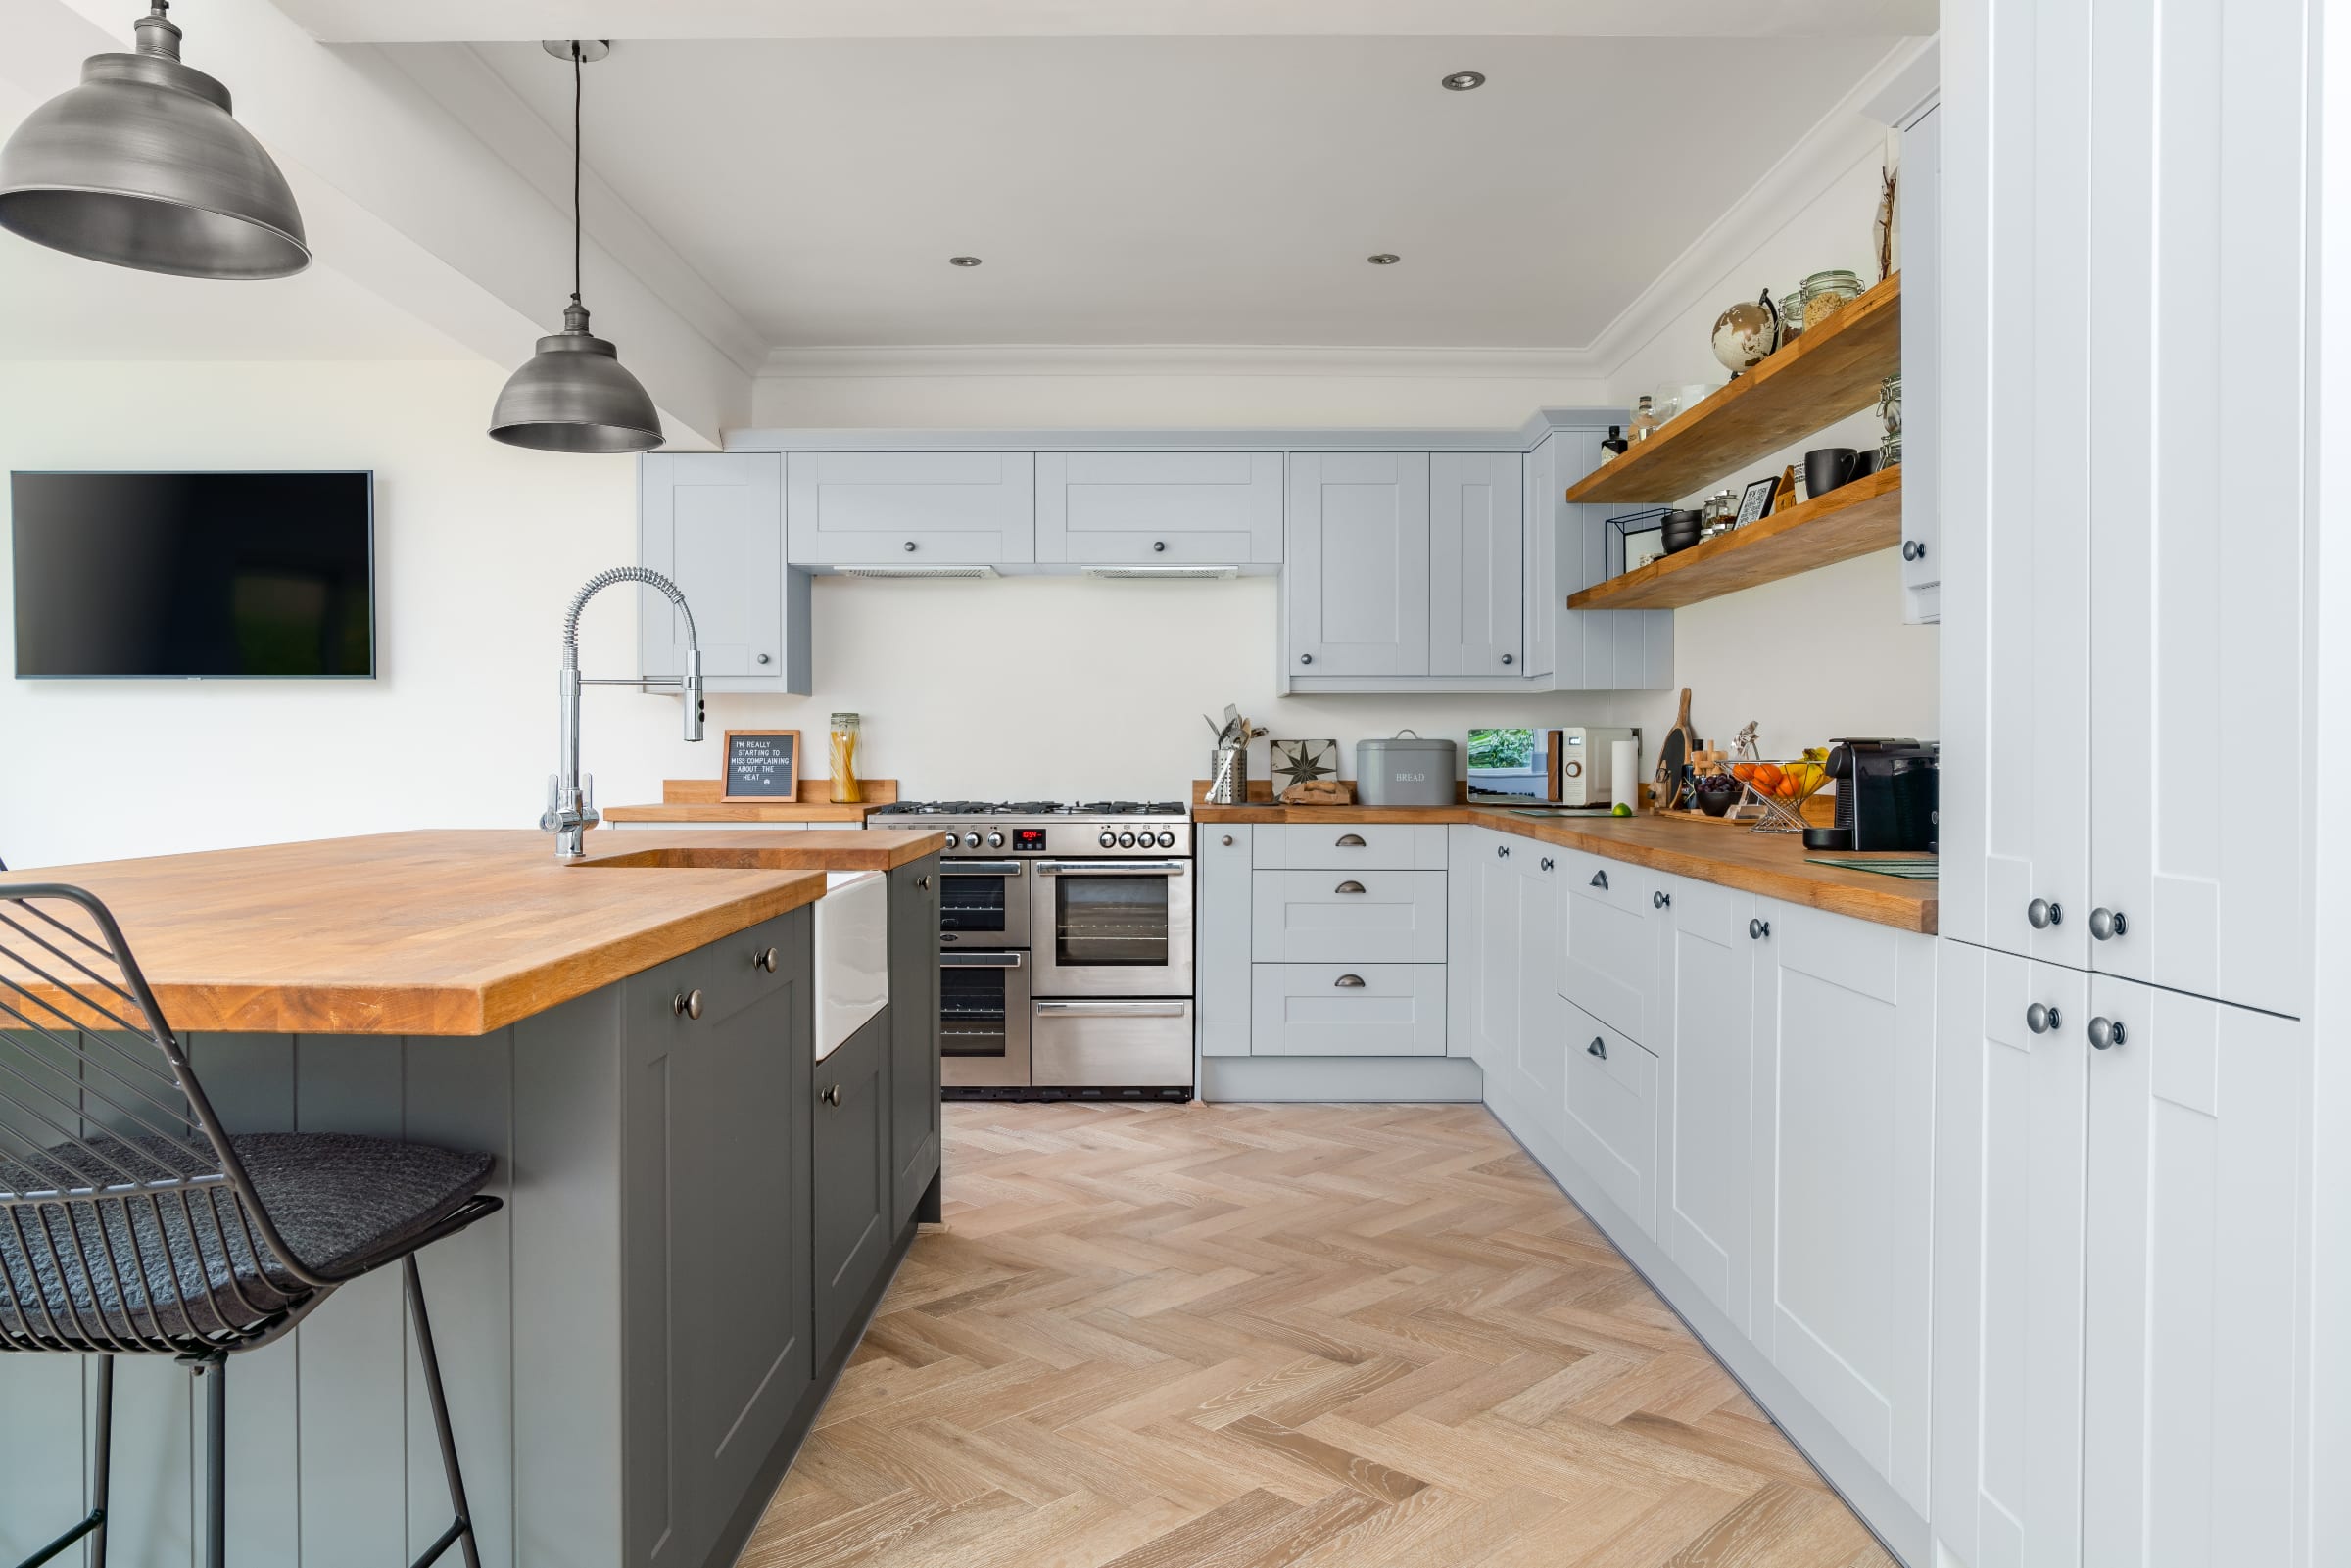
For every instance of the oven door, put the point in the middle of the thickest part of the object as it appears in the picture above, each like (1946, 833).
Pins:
(1114, 1045)
(984, 1020)
(1112, 927)
(982, 903)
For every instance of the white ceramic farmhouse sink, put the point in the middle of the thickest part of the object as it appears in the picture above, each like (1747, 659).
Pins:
(853, 955)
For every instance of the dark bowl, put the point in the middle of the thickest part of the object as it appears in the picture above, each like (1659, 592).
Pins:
(1681, 530)
(1716, 794)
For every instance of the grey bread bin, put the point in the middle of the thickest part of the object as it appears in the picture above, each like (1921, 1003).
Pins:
(1404, 770)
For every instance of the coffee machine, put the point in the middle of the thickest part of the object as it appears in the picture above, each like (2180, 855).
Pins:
(1887, 796)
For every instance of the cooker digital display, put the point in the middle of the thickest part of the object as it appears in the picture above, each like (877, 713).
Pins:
(1028, 839)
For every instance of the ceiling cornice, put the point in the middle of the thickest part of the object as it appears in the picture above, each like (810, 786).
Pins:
(1179, 359)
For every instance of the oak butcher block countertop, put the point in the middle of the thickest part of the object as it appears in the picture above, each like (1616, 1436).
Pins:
(1773, 865)
(458, 931)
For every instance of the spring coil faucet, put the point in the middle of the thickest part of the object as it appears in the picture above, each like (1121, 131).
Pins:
(570, 793)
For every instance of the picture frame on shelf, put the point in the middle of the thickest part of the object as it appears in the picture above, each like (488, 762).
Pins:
(1298, 762)
(1754, 502)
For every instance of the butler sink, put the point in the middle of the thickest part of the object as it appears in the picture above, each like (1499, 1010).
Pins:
(853, 955)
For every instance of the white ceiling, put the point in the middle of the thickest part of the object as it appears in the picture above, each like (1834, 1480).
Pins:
(1184, 190)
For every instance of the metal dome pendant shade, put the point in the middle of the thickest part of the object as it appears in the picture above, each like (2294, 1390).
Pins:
(143, 166)
(572, 393)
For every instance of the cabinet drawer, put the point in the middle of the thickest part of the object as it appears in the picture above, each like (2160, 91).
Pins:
(1335, 917)
(1338, 1010)
(1611, 1121)
(1611, 962)
(1351, 845)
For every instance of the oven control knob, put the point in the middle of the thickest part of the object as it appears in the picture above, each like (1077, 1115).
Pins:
(1109, 839)
(970, 840)
(1167, 839)
(995, 840)
(1125, 840)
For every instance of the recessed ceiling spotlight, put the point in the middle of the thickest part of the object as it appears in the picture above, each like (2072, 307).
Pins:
(1384, 258)
(963, 260)
(1461, 81)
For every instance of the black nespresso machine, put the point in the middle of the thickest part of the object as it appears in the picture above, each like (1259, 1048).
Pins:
(1887, 798)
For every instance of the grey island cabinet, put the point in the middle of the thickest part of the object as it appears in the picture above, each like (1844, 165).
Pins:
(694, 1233)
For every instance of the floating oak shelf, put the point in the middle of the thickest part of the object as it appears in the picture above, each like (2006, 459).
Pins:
(1857, 519)
(1814, 382)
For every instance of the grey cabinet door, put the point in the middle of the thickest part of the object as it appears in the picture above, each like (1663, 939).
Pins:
(853, 1229)
(713, 524)
(913, 1013)
(1356, 570)
(1474, 580)
(1159, 508)
(719, 1345)
(911, 509)
(1221, 939)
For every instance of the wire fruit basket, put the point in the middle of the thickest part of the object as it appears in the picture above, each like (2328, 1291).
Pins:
(1781, 789)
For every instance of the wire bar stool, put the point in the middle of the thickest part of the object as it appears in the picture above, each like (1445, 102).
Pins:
(131, 1223)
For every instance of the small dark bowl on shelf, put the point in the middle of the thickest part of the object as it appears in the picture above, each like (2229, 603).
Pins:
(1717, 794)
(1681, 529)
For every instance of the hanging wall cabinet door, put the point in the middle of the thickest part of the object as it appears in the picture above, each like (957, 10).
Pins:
(1356, 571)
(712, 522)
(911, 509)
(1159, 508)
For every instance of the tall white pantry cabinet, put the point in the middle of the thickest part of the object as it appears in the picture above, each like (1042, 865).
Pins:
(2140, 1240)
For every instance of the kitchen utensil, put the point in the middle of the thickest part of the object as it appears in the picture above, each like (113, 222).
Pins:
(1826, 467)
(1228, 776)
(1402, 772)
(1673, 753)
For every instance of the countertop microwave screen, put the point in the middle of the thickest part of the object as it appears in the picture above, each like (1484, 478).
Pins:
(194, 575)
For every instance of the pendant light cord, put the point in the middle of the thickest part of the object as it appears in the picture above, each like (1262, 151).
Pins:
(576, 152)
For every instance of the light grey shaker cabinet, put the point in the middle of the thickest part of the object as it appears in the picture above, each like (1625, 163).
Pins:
(1159, 508)
(1356, 571)
(1582, 651)
(1476, 577)
(1222, 959)
(1922, 341)
(911, 509)
(713, 523)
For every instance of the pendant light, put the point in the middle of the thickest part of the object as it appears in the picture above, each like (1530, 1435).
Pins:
(572, 394)
(142, 166)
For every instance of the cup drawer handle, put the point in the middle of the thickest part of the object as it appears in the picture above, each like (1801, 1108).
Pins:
(1349, 982)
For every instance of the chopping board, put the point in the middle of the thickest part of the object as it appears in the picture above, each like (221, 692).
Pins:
(1674, 752)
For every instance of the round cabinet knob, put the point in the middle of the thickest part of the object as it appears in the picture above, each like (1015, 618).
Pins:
(2040, 913)
(1125, 840)
(687, 1004)
(2107, 923)
(764, 659)
(923, 882)
(832, 1096)
(1599, 1048)
(995, 840)
(1167, 839)
(910, 547)
(768, 960)
(1758, 928)
(1502, 851)
(1913, 551)
(1159, 547)
(1661, 900)
(2041, 1019)
(1228, 841)
(1110, 840)
(2105, 1033)
(1510, 658)
(1305, 658)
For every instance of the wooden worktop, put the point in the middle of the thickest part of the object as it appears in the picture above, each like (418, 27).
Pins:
(688, 800)
(439, 932)
(1773, 865)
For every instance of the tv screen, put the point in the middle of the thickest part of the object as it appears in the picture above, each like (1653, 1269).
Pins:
(194, 576)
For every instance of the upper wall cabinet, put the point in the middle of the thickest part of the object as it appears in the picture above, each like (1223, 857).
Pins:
(1159, 508)
(1356, 587)
(911, 509)
(713, 524)
(1568, 550)
(1475, 566)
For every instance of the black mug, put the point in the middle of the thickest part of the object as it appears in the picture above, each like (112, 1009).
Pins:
(1826, 468)
(1865, 464)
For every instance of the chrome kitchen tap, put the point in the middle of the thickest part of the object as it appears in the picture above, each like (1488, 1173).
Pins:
(570, 793)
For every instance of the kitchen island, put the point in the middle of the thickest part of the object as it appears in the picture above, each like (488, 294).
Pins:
(691, 1242)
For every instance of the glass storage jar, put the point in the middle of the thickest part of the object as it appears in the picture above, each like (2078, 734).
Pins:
(1825, 293)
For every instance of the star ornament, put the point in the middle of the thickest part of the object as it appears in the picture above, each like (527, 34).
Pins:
(1297, 762)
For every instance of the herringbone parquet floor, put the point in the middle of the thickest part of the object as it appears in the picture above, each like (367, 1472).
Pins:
(1177, 1337)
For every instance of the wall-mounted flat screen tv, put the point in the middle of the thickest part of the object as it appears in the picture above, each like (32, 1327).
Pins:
(194, 576)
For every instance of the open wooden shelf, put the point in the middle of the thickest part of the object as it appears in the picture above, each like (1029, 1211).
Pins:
(1814, 382)
(1856, 519)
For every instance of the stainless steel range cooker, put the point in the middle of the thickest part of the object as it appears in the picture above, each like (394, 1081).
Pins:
(1064, 947)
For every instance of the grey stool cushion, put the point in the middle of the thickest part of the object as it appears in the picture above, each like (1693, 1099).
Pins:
(341, 1201)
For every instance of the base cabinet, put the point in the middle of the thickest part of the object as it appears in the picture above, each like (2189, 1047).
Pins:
(915, 1144)
(1610, 1123)
(2122, 1356)
(1706, 1035)
(852, 1228)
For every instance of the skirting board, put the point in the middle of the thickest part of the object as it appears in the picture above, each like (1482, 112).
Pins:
(1897, 1526)
(1341, 1078)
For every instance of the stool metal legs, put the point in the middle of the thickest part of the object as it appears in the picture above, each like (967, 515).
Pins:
(101, 1469)
(461, 1527)
(215, 1464)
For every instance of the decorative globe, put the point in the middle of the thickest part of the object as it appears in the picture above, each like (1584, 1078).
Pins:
(1745, 334)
